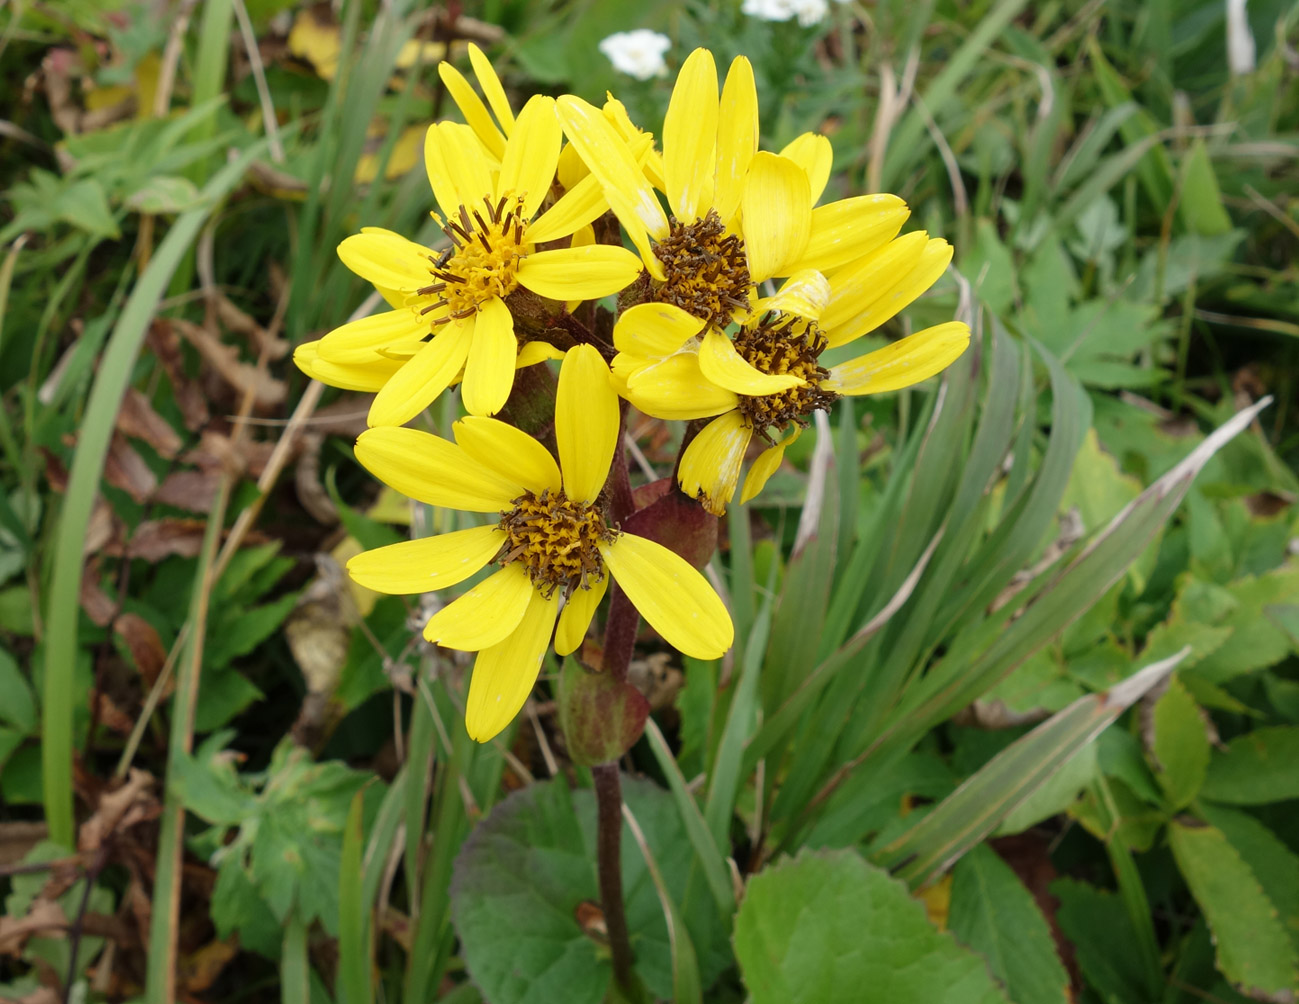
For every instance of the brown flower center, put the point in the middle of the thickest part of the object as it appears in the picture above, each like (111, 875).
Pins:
(482, 262)
(784, 345)
(707, 270)
(556, 539)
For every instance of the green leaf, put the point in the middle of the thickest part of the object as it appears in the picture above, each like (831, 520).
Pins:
(1253, 950)
(1097, 925)
(828, 928)
(1274, 865)
(18, 706)
(164, 195)
(1259, 767)
(1181, 745)
(527, 868)
(1201, 203)
(210, 787)
(994, 914)
(973, 811)
(85, 206)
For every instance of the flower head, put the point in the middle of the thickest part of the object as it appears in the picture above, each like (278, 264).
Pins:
(450, 318)
(809, 12)
(767, 379)
(552, 540)
(637, 53)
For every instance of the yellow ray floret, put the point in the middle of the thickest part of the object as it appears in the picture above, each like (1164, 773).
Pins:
(450, 319)
(552, 541)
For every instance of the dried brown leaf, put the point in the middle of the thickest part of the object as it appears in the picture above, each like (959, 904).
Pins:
(43, 917)
(192, 491)
(125, 469)
(146, 647)
(197, 971)
(189, 397)
(156, 539)
(138, 420)
(245, 378)
(119, 810)
(241, 323)
(96, 603)
(17, 840)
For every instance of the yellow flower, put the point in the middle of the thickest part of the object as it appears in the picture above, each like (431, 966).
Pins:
(739, 216)
(665, 371)
(493, 127)
(450, 313)
(553, 542)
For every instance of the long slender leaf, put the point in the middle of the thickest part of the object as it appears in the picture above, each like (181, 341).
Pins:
(354, 962)
(83, 483)
(973, 811)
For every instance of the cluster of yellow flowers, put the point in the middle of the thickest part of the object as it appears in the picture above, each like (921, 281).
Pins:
(704, 333)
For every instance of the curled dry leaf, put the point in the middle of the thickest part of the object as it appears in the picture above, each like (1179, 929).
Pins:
(267, 392)
(118, 810)
(42, 917)
(156, 539)
(125, 469)
(96, 603)
(192, 491)
(190, 399)
(241, 323)
(319, 631)
(142, 641)
(138, 420)
(17, 840)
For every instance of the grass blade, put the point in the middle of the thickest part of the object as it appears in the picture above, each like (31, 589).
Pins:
(353, 913)
(106, 396)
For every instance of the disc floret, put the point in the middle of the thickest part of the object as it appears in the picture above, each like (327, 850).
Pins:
(781, 344)
(707, 270)
(482, 263)
(556, 539)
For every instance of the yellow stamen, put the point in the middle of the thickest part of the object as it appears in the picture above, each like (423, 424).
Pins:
(483, 261)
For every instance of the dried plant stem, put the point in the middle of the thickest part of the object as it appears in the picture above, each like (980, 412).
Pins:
(608, 800)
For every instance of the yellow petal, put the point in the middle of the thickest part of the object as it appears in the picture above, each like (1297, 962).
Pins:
(576, 616)
(724, 366)
(737, 137)
(907, 361)
(854, 288)
(366, 375)
(536, 352)
(429, 469)
(768, 462)
(360, 339)
(485, 615)
(572, 168)
(690, 137)
(492, 89)
(586, 423)
(387, 260)
(777, 209)
(504, 674)
(489, 368)
(510, 452)
(676, 389)
(850, 229)
(528, 167)
(423, 377)
(457, 169)
(581, 204)
(815, 156)
(607, 155)
(804, 294)
(580, 273)
(710, 465)
(473, 109)
(421, 566)
(671, 595)
(895, 296)
(654, 330)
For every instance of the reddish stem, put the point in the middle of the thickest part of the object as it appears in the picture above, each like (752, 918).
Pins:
(608, 800)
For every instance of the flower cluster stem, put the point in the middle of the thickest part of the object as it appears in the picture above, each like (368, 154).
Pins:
(608, 800)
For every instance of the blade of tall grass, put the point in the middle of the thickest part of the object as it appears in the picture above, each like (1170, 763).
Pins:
(973, 811)
(420, 757)
(354, 961)
(295, 966)
(106, 396)
(906, 144)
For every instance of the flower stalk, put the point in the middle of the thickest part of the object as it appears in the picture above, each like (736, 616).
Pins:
(608, 801)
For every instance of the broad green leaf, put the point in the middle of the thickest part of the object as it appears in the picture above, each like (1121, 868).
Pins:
(525, 870)
(1105, 945)
(828, 928)
(18, 706)
(1201, 203)
(84, 205)
(164, 195)
(973, 811)
(994, 914)
(1254, 951)
(1275, 866)
(1259, 767)
(1180, 745)
(1257, 641)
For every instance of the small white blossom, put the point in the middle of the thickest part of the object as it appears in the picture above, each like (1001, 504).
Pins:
(637, 53)
(808, 12)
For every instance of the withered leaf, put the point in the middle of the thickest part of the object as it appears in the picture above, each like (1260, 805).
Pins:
(125, 469)
(44, 916)
(96, 603)
(189, 397)
(138, 420)
(146, 647)
(119, 810)
(245, 378)
(189, 490)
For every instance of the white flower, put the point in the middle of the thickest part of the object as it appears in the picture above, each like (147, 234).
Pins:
(637, 53)
(809, 12)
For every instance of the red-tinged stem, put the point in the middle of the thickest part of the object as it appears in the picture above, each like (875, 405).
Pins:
(608, 800)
